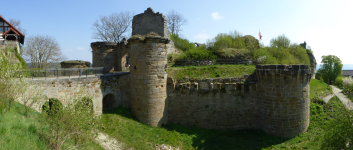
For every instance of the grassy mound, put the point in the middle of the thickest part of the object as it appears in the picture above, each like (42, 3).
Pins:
(318, 89)
(214, 71)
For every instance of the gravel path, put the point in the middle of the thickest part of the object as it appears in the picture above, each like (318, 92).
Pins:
(107, 142)
(347, 102)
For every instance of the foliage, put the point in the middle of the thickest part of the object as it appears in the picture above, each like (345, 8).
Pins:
(19, 132)
(182, 44)
(198, 53)
(233, 53)
(22, 61)
(76, 120)
(280, 41)
(339, 132)
(214, 71)
(274, 55)
(331, 68)
(339, 82)
(9, 79)
(223, 40)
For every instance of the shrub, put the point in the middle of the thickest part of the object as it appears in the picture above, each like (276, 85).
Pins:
(339, 81)
(22, 61)
(182, 44)
(199, 53)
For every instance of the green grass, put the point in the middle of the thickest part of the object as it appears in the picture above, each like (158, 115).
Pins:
(19, 132)
(318, 88)
(214, 71)
(121, 124)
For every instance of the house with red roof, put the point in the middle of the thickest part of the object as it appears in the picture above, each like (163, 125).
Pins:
(10, 36)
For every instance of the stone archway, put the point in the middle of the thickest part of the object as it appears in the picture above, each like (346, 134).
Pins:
(109, 102)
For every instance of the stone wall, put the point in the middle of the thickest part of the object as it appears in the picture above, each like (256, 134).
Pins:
(104, 54)
(214, 104)
(149, 80)
(149, 21)
(66, 89)
(285, 98)
(278, 103)
(75, 64)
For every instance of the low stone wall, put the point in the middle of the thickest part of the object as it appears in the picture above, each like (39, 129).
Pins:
(210, 62)
(75, 64)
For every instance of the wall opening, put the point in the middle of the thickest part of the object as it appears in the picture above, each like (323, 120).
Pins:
(125, 62)
(109, 101)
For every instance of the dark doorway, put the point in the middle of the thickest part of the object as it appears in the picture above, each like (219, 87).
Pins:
(109, 101)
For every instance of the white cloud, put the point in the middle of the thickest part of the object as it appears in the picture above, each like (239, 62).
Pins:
(202, 37)
(216, 16)
(80, 48)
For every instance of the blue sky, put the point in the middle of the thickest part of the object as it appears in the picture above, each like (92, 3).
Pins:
(326, 26)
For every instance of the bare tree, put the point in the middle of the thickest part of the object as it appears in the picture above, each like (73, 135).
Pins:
(42, 50)
(17, 25)
(111, 28)
(175, 21)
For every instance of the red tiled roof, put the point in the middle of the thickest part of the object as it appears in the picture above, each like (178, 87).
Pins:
(14, 30)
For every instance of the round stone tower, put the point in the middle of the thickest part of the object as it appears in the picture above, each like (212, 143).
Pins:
(285, 104)
(104, 55)
(148, 79)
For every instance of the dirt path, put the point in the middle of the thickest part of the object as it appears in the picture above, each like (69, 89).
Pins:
(347, 102)
(107, 142)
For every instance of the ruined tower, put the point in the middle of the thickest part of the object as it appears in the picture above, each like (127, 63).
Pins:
(104, 55)
(148, 86)
(285, 103)
(149, 21)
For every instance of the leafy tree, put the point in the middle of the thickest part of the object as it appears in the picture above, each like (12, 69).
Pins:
(330, 69)
(280, 41)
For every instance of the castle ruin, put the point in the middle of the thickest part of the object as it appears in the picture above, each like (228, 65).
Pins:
(113, 56)
(276, 100)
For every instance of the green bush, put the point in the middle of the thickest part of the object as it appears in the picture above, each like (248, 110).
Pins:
(339, 81)
(274, 55)
(22, 61)
(199, 53)
(182, 44)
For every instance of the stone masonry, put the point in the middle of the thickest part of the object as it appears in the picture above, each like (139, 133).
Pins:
(285, 99)
(148, 82)
(149, 21)
(66, 89)
(278, 103)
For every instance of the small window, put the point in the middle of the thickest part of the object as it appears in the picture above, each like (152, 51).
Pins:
(1, 23)
(6, 29)
(1, 29)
